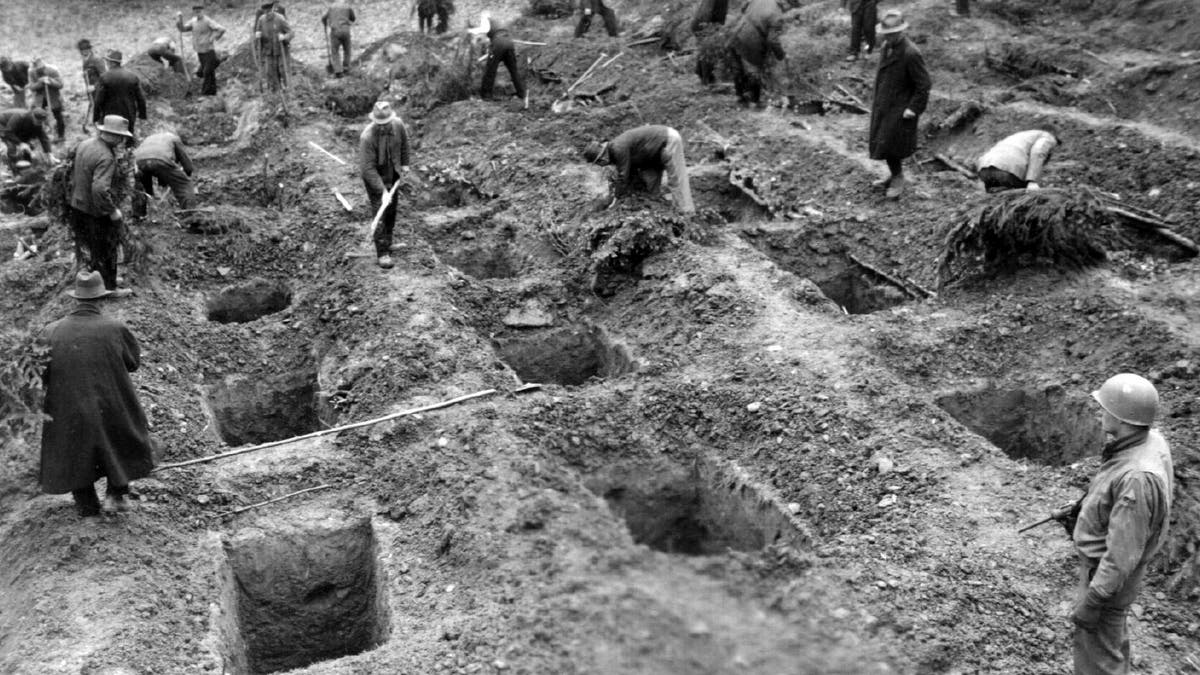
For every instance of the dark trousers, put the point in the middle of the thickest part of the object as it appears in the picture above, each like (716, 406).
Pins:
(208, 72)
(101, 237)
(895, 165)
(606, 13)
(424, 22)
(963, 7)
(172, 60)
(88, 502)
(339, 40)
(60, 123)
(862, 27)
(747, 80)
(273, 66)
(502, 52)
(382, 236)
(169, 175)
(999, 180)
(443, 19)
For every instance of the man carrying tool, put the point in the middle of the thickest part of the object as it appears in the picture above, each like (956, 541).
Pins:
(1016, 162)
(273, 33)
(500, 50)
(19, 128)
(337, 21)
(96, 221)
(382, 160)
(119, 92)
(93, 66)
(95, 424)
(45, 86)
(587, 9)
(756, 47)
(205, 34)
(901, 93)
(1120, 524)
(650, 149)
(16, 76)
(162, 157)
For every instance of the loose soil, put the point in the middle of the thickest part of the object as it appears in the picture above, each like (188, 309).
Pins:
(748, 452)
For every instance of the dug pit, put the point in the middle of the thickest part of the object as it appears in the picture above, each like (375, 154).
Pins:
(570, 356)
(485, 260)
(703, 508)
(259, 409)
(856, 292)
(1041, 425)
(248, 301)
(306, 592)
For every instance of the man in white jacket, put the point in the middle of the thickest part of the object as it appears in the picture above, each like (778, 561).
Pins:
(1016, 162)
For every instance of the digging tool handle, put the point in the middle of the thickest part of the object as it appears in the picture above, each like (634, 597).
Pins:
(1048, 519)
(387, 199)
(88, 89)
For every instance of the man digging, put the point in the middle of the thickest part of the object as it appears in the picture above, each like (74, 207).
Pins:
(1016, 162)
(651, 149)
(95, 218)
(382, 159)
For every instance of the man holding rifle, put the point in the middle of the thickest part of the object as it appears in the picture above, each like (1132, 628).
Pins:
(1119, 524)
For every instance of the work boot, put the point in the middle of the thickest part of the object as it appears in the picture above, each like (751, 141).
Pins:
(116, 504)
(882, 183)
(385, 261)
(899, 183)
(121, 293)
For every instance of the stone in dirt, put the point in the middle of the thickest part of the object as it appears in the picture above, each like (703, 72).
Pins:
(531, 314)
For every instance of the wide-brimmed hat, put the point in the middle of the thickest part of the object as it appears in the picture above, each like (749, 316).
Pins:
(115, 124)
(113, 55)
(892, 22)
(89, 286)
(382, 113)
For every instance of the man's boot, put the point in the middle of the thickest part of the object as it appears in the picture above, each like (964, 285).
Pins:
(897, 187)
(385, 261)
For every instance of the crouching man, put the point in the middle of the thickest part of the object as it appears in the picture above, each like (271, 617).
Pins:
(641, 155)
(161, 157)
(1016, 162)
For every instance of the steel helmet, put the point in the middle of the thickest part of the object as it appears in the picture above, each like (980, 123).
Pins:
(1129, 398)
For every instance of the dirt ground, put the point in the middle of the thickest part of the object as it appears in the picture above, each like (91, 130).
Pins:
(747, 454)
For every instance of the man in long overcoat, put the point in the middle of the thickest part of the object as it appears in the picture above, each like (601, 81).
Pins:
(96, 426)
(901, 94)
(756, 46)
(119, 92)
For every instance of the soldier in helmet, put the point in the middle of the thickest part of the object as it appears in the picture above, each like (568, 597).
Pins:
(1120, 523)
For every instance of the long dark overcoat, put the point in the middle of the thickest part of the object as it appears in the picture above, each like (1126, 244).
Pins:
(97, 427)
(119, 92)
(902, 82)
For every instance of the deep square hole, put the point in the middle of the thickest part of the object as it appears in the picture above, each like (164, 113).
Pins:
(248, 301)
(1041, 425)
(260, 409)
(570, 356)
(300, 595)
(697, 509)
(858, 293)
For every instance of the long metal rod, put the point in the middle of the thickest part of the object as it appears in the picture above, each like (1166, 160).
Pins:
(323, 432)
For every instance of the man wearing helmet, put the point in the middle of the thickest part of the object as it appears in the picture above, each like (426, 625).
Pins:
(1121, 524)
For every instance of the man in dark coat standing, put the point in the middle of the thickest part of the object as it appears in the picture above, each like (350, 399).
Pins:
(901, 93)
(119, 92)
(591, 7)
(97, 426)
(16, 76)
(382, 159)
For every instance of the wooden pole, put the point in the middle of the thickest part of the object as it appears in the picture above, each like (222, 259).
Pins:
(955, 165)
(327, 153)
(324, 432)
(387, 199)
(272, 501)
(345, 204)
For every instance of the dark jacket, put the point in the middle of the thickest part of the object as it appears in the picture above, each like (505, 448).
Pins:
(93, 68)
(15, 74)
(373, 147)
(901, 82)
(339, 18)
(48, 91)
(637, 149)
(18, 125)
(97, 426)
(92, 177)
(758, 30)
(710, 12)
(119, 92)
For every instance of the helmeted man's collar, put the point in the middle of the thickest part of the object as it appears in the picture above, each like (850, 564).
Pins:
(1118, 444)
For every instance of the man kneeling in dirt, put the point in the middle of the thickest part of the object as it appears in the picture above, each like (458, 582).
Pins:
(162, 157)
(382, 159)
(651, 149)
(1016, 162)
(19, 128)
(1120, 524)
(96, 426)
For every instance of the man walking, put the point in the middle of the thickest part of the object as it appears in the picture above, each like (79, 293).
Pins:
(273, 34)
(16, 76)
(862, 26)
(45, 86)
(382, 159)
(94, 215)
(756, 47)
(651, 149)
(19, 128)
(1121, 523)
(119, 92)
(500, 50)
(901, 92)
(1016, 162)
(337, 21)
(162, 157)
(205, 34)
(590, 7)
(96, 426)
